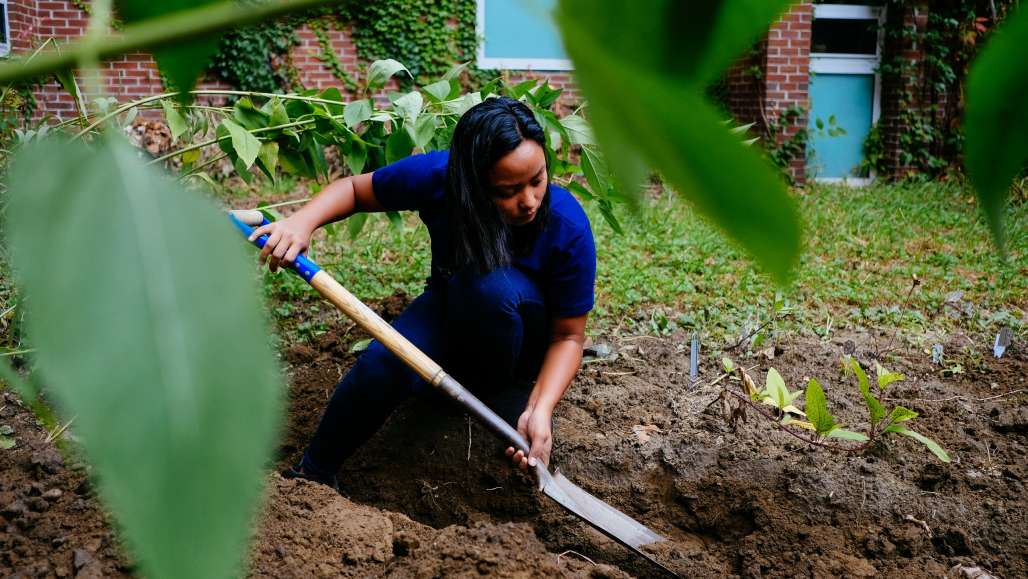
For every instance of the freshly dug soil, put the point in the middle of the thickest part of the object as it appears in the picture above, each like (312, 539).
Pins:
(432, 496)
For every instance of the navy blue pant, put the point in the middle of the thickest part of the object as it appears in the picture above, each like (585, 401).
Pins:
(487, 331)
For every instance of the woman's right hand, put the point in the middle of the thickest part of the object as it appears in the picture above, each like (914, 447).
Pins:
(287, 239)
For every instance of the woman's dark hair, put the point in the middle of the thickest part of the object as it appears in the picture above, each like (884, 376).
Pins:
(486, 133)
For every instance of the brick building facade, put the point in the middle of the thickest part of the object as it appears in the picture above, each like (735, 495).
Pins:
(771, 86)
(774, 78)
(135, 75)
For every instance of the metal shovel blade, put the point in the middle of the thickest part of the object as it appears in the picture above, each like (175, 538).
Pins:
(600, 515)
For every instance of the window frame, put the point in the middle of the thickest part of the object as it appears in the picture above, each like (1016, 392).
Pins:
(850, 12)
(504, 63)
(5, 47)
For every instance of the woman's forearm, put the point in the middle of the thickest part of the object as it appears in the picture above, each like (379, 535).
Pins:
(560, 365)
(334, 202)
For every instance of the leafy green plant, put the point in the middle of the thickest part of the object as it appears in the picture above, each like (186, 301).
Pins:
(873, 148)
(815, 424)
(887, 421)
(173, 349)
(426, 35)
(288, 133)
(783, 147)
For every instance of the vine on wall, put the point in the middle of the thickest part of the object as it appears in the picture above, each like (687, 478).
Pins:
(930, 109)
(428, 36)
(256, 58)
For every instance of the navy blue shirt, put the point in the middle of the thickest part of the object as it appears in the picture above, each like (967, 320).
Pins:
(562, 260)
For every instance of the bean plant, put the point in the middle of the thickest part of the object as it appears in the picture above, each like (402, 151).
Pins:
(815, 424)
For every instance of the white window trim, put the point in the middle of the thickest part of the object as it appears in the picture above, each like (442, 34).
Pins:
(5, 47)
(559, 64)
(848, 12)
(836, 65)
(848, 181)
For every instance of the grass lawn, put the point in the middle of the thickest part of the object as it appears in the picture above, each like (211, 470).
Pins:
(670, 269)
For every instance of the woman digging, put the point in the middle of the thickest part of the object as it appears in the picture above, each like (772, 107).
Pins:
(511, 284)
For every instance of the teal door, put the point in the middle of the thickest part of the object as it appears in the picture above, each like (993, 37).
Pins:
(848, 100)
(845, 51)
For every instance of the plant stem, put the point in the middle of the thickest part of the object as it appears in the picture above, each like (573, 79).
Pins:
(749, 335)
(284, 203)
(169, 95)
(155, 33)
(203, 166)
(906, 302)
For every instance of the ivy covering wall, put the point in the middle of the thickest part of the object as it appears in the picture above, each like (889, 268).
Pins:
(428, 36)
(931, 103)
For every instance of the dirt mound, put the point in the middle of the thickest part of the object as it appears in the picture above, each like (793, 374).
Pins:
(51, 524)
(309, 530)
(507, 550)
(752, 503)
(432, 496)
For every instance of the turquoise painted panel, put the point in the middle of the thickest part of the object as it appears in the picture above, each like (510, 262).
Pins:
(521, 29)
(849, 97)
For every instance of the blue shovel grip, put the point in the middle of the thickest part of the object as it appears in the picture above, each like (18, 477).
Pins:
(302, 266)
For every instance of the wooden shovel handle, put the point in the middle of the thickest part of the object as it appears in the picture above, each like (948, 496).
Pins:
(364, 317)
(414, 358)
(410, 354)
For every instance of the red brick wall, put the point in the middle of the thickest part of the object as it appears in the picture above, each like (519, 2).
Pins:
(134, 76)
(787, 73)
(21, 17)
(903, 89)
(313, 73)
(775, 77)
(744, 87)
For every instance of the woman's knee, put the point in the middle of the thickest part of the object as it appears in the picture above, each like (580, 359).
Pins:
(502, 292)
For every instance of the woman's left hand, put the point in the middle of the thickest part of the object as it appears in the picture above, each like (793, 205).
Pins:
(536, 425)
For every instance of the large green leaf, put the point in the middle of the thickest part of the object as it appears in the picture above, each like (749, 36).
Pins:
(176, 123)
(381, 71)
(409, 106)
(246, 146)
(578, 130)
(356, 112)
(148, 329)
(996, 122)
(647, 110)
(928, 442)
(817, 409)
(438, 90)
(398, 145)
(874, 407)
(182, 63)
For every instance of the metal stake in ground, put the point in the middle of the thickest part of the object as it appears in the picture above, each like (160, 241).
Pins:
(573, 499)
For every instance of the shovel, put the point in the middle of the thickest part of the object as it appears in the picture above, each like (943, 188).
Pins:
(576, 501)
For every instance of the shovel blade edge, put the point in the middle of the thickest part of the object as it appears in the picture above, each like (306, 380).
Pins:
(605, 518)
